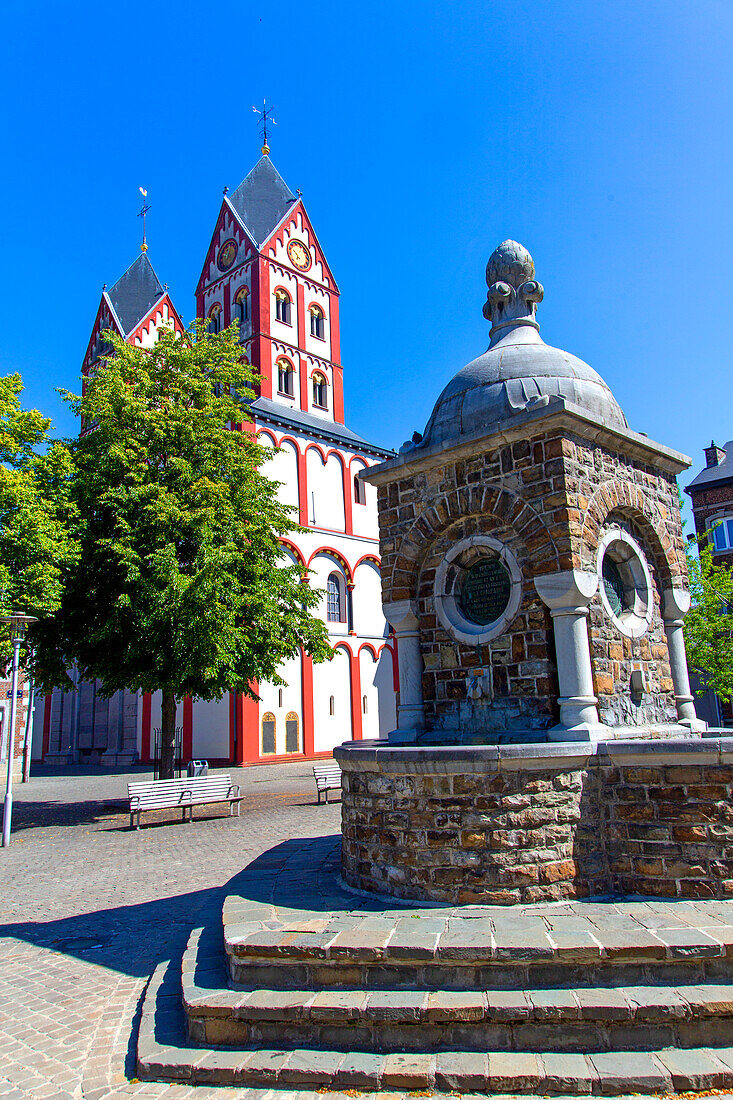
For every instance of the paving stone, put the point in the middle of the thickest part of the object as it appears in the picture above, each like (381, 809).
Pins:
(408, 1071)
(554, 1004)
(396, 1004)
(683, 943)
(603, 1004)
(360, 1070)
(629, 1072)
(461, 1071)
(515, 1072)
(455, 1006)
(338, 1004)
(632, 942)
(507, 1004)
(695, 1069)
(568, 1073)
(310, 1067)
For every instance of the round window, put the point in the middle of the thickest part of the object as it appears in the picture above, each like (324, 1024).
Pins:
(625, 585)
(478, 589)
(485, 590)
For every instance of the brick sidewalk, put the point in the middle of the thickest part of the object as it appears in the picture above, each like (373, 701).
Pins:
(88, 908)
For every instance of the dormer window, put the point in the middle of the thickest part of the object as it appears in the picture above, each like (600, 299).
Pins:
(285, 374)
(320, 390)
(241, 304)
(318, 323)
(282, 307)
(722, 534)
(215, 319)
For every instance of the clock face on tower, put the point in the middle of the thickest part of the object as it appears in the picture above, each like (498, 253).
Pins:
(299, 255)
(227, 255)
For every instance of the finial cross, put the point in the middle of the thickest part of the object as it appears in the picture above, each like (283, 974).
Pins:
(265, 120)
(142, 213)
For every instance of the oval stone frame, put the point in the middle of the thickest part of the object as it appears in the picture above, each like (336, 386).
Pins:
(447, 604)
(628, 557)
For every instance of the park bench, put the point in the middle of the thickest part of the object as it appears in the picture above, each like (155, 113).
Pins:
(183, 794)
(328, 778)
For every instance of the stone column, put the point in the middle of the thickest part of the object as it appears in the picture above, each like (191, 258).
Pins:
(568, 595)
(400, 614)
(675, 605)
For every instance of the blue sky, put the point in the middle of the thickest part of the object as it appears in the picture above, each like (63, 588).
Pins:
(421, 135)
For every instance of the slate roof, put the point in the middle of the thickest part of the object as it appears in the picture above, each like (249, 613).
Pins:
(273, 412)
(135, 293)
(262, 199)
(722, 472)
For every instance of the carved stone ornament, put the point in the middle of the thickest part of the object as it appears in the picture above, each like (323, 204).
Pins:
(513, 293)
(479, 686)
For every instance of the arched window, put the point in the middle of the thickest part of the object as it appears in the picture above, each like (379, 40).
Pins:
(335, 602)
(359, 490)
(292, 732)
(320, 390)
(282, 306)
(215, 318)
(364, 703)
(318, 326)
(331, 706)
(285, 375)
(241, 304)
(268, 734)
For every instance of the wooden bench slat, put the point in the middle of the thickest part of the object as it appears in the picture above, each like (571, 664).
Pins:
(327, 777)
(183, 794)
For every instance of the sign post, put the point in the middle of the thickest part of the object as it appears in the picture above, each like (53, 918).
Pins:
(18, 623)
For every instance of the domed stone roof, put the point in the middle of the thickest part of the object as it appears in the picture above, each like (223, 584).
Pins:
(519, 371)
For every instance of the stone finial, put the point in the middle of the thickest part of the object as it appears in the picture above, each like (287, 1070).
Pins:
(513, 290)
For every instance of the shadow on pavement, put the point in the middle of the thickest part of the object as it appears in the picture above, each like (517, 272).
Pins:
(132, 939)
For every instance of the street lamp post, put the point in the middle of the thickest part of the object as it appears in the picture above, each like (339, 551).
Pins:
(18, 623)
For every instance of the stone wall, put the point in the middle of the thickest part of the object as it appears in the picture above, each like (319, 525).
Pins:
(539, 823)
(548, 499)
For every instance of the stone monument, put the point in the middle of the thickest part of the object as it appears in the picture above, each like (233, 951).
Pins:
(533, 570)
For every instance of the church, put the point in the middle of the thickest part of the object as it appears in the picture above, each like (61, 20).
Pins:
(264, 267)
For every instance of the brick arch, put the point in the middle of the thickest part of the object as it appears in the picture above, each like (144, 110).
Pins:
(626, 500)
(472, 502)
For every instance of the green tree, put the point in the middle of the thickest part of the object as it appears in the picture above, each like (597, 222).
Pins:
(181, 584)
(709, 622)
(37, 514)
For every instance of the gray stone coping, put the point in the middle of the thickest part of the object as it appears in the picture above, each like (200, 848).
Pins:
(379, 756)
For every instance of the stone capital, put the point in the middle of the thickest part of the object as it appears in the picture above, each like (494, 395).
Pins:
(570, 589)
(401, 614)
(675, 603)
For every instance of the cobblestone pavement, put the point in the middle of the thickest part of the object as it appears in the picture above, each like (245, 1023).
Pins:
(88, 908)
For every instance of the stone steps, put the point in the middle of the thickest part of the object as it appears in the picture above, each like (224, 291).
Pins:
(576, 1020)
(439, 950)
(164, 1054)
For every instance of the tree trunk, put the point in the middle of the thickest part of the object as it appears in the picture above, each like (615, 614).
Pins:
(167, 736)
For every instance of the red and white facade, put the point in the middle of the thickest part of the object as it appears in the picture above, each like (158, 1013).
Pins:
(273, 279)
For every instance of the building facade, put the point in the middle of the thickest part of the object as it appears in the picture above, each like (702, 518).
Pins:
(265, 268)
(711, 497)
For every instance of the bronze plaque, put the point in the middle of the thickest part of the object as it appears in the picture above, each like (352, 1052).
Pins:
(485, 591)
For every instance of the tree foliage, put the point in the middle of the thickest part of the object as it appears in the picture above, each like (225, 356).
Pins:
(709, 622)
(181, 584)
(37, 514)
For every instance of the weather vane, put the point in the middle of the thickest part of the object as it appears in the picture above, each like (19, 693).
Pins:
(143, 212)
(265, 120)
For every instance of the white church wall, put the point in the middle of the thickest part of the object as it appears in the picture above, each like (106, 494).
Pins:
(367, 601)
(369, 701)
(282, 467)
(282, 702)
(332, 702)
(325, 491)
(210, 728)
